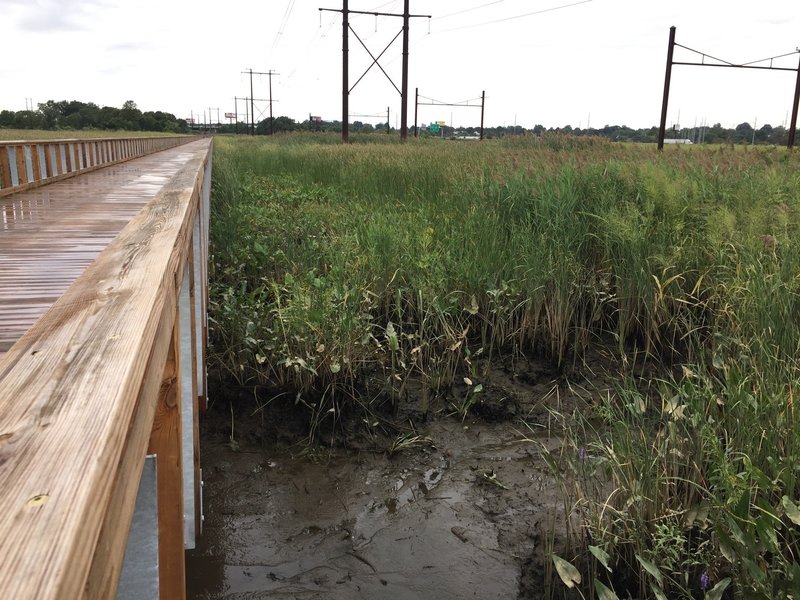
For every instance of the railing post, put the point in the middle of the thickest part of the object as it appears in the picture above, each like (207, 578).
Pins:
(165, 443)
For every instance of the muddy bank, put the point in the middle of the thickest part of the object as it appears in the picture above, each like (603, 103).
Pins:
(453, 521)
(467, 510)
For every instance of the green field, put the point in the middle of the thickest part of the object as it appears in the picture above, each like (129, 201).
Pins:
(333, 266)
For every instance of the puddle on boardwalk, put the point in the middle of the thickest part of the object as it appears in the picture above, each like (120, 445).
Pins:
(461, 519)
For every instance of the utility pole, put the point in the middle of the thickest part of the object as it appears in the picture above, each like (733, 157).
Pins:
(388, 129)
(793, 124)
(404, 84)
(667, 77)
(252, 107)
(345, 73)
(346, 88)
(247, 103)
(236, 112)
(483, 105)
(416, 110)
(271, 121)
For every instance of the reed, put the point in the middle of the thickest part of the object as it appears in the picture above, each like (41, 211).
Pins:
(337, 264)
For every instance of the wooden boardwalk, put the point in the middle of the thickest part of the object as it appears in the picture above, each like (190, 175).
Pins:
(49, 235)
(103, 291)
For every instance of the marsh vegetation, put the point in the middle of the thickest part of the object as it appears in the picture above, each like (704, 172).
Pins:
(357, 283)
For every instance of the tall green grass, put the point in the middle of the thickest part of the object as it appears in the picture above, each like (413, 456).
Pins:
(335, 264)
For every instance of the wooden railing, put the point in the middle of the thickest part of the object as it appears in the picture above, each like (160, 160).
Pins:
(112, 373)
(27, 164)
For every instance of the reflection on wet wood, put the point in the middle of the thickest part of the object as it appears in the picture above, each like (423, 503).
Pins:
(90, 267)
(24, 165)
(48, 236)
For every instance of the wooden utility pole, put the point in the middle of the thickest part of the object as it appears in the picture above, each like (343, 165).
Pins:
(345, 73)
(404, 83)
(665, 100)
(793, 124)
(483, 108)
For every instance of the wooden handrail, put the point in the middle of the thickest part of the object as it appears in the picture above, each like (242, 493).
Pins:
(92, 388)
(25, 164)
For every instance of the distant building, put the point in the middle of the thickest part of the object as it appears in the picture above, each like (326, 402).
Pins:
(683, 141)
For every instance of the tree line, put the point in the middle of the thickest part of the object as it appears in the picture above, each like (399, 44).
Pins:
(73, 114)
(744, 133)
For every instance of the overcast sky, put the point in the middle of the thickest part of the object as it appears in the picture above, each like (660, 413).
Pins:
(595, 62)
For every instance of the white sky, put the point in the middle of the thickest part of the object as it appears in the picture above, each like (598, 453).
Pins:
(598, 62)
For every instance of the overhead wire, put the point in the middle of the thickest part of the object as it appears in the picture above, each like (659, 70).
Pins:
(515, 17)
(466, 10)
(771, 58)
(731, 64)
(286, 14)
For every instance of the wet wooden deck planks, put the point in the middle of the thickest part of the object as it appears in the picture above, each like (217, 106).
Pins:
(49, 235)
(90, 386)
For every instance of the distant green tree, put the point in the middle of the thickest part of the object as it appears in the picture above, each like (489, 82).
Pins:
(7, 118)
(743, 133)
(279, 124)
(130, 116)
(28, 119)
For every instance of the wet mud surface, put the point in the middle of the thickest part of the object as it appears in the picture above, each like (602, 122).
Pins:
(466, 511)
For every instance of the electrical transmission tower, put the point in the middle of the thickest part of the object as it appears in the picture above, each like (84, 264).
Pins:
(246, 109)
(346, 89)
(269, 73)
(723, 63)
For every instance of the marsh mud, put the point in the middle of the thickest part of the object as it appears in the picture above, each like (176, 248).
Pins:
(466, 509)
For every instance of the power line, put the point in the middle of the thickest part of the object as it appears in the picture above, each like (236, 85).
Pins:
(287, 13)
(466, 10)
(536, 12)
(725, 63)
(460, 103)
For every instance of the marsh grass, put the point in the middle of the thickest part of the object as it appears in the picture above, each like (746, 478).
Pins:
(333, 265)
